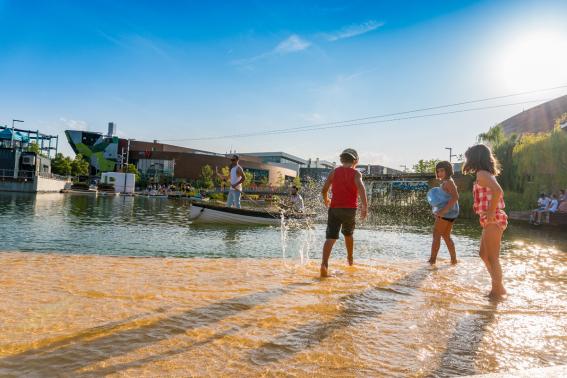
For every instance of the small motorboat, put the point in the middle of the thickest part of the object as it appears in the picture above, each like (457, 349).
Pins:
(207, 213)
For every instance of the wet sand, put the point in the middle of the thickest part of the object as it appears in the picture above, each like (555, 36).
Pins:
(92, 315)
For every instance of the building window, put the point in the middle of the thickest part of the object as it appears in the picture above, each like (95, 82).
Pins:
(258, 175)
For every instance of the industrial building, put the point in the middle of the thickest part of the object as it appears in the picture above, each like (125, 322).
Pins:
(165, 162)
(21, 168)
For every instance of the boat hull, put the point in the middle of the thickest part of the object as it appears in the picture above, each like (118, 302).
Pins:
(201, 213)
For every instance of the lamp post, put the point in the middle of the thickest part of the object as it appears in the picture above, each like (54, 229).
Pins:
(12, 138)
(405, 167)
(450, 153)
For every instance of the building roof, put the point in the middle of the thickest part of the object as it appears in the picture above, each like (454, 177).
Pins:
(538, 119)
(17, 136)
(281, 154)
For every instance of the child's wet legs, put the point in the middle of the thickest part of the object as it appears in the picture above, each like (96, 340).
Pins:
(450, 243)
(436, 243)
(349, 243)
(492, 236)
(327, 248)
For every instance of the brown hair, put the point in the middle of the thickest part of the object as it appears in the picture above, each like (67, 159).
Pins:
(480, 158)
(448, 167)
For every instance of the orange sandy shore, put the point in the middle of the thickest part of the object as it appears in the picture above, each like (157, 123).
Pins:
(93, 315)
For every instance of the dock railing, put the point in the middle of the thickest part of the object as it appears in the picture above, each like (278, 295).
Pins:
(28, 175)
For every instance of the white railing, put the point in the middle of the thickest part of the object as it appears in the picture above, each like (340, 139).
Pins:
(21, 174)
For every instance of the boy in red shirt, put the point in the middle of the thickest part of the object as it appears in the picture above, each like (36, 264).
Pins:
(346, 185)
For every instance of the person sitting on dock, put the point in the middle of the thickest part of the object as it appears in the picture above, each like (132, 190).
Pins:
(542, 203)
(551, 208)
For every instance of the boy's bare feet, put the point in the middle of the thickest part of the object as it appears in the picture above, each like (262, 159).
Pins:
(350, 260)
(324, 271)
(431, 261)
(497, 293)
(454, 262)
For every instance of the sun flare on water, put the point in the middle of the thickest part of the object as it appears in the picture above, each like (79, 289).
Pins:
(533, 60)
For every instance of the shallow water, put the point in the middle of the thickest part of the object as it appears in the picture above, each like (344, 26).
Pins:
(249, 311)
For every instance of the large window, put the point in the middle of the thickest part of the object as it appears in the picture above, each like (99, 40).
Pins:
(155, 167)
(258, 175)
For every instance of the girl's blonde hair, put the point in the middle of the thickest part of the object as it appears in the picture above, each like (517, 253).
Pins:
(480, 158)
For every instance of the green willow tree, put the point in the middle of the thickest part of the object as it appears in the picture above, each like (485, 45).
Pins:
(493, 137)
(542, 159)
(530, 163)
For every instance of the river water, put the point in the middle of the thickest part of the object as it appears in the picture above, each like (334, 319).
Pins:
(247, 301)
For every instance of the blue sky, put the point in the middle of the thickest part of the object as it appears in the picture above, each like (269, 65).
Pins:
(179, 70)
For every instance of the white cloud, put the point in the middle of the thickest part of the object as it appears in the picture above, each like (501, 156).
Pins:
(292, 44)
(353, 30)
(73, 124)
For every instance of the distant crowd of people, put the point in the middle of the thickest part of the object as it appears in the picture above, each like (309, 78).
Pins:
(549, 204)
(155, 189)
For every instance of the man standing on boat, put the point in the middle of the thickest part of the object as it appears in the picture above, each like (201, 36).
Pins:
(236, 179)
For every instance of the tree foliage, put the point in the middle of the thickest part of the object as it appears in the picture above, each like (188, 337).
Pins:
(132, 169)
(493, 137)
(34, 147)
(223, 172)
(64, 166)
(542, 159)
(79, 166)
(425, 166)
(207, 177)
(297, 181)
(532, 162)
(248, 179)
(61, 165)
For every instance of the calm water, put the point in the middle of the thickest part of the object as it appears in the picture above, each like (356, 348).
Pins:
(248, 302)
(137, 226)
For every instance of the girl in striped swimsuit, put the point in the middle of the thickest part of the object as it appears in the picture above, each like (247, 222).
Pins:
(489, 205)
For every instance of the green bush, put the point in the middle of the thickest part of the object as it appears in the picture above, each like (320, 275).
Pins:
(217, 196)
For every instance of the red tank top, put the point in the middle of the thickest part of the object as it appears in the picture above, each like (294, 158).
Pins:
(343, 187)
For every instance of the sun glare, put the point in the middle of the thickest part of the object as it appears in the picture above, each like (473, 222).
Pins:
(534, 60)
